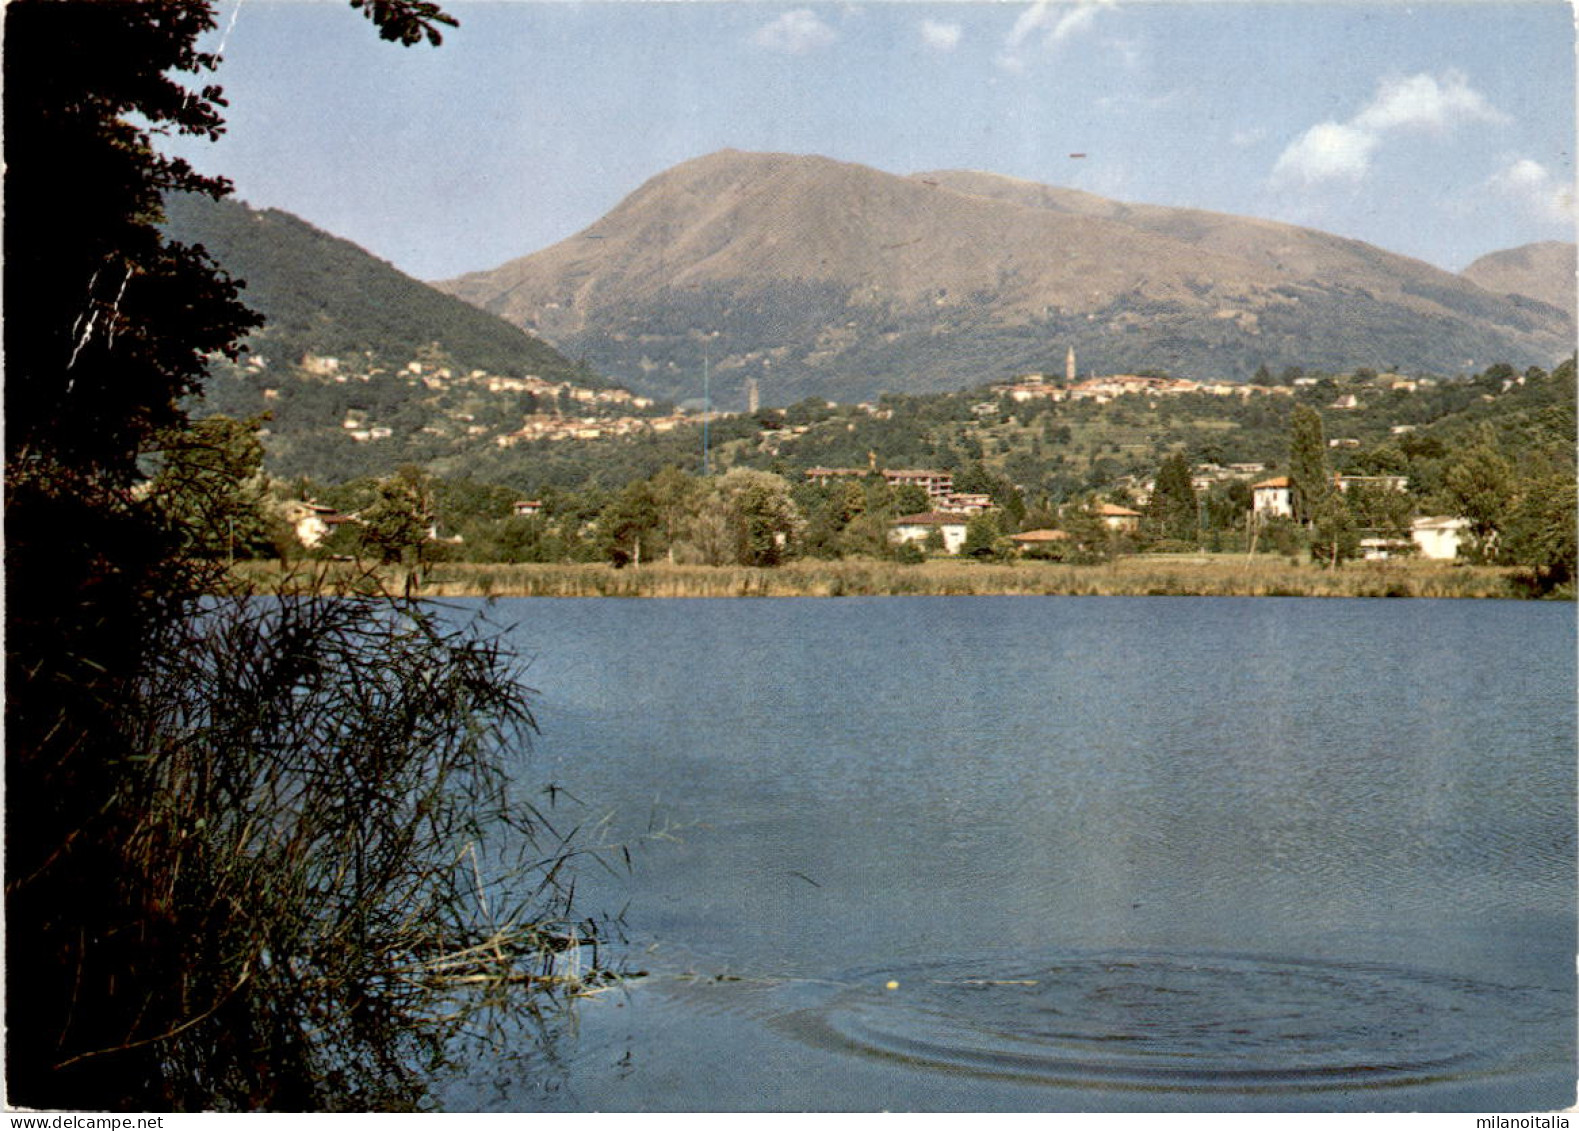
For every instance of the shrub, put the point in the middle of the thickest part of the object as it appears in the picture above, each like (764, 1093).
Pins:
(314, 873)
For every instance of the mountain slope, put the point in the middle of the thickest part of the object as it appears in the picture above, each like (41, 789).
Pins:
(1543, 271)
(822, 278)
(326, 296)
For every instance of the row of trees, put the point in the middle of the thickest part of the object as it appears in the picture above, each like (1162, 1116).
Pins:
(212, 480)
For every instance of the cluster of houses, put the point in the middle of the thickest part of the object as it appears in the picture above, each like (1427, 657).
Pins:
(551, 426)
(951, 528)
(1437, 536)
(1035, 386)
(938, 485)
(1432, 537)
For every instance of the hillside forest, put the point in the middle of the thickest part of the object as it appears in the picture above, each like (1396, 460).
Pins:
(447, 476)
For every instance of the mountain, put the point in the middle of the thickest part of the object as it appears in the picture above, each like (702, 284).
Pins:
(821, 278)
(325, 296)
(1543, 271)
(361, 368)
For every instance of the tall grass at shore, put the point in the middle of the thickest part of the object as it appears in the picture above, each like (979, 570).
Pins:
(1187, 576)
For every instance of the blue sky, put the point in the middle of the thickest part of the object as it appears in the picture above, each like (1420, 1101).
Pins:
(1439, 130)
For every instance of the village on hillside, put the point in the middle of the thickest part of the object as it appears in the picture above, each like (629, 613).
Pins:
(1136, 475)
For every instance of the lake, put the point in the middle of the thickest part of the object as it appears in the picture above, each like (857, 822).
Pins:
(1063, 854)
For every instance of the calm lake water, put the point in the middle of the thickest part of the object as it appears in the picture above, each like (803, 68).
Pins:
(1144, 854)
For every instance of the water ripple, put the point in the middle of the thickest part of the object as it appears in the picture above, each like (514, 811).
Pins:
(1188, 1022)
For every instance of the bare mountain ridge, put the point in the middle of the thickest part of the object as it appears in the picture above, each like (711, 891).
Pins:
(823, 278)
(1543, 271)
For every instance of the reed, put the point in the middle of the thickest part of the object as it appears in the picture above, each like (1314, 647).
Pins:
(1198, 575)
(327, 872)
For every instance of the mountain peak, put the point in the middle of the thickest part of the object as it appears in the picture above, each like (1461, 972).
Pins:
(1543, 271)
(814, 276)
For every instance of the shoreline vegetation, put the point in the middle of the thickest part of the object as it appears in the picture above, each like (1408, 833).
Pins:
(1183, 575)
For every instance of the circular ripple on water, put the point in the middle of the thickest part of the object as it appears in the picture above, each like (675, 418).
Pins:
(1187, 1022)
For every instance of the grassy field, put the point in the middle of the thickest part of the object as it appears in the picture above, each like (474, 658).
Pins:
(1200, 575)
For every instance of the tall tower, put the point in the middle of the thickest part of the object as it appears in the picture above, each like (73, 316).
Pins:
(753, 396)
(1069, 366)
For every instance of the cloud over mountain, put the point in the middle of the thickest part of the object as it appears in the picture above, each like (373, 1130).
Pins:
(1342, 151)
(1531, 186)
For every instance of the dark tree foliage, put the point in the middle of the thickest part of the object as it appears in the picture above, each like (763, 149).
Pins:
(1172, 510)
(407, 21)
(108, 325)
(106, 329)
(210, 488)
(221, 818)
(1307, 462)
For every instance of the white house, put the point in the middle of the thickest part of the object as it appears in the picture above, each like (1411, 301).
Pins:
(313, 522)
(917, 527)
(1272, 498)
(1439, 537)
(1118, 518)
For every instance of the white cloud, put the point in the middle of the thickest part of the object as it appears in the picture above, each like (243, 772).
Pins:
(1050, 24)
(1342, 151)
(1531, 185)
(1421, 101)
(940, 36)
(1327, 152)
(795, 33)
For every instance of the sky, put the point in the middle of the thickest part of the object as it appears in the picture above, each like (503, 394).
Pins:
(1437, 129)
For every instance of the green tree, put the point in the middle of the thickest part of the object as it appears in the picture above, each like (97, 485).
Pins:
(831, 509)
(212, 489)
(400, 522)
(1171, 512)
(1307, 463)
(1090, 540)
(762, 519)
(526, 538)
(1540, 533)
(1479, 486)
(630, 525)
(675, 495)
(1334, 534)
(982, 536)
(1226, 505)
(1381, 511)
(910, 499)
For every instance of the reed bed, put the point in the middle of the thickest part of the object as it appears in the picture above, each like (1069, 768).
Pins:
(1201, 575)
